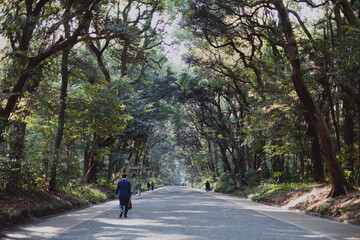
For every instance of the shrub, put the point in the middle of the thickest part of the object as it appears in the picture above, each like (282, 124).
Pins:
(324, 208)
(252, 177)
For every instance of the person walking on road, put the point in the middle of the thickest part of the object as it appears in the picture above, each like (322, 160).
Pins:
(138, 187)
(207, 186)
(152, 186)
(123, 193)
(148, 186)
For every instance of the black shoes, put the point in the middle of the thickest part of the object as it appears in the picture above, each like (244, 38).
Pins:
(121, 213)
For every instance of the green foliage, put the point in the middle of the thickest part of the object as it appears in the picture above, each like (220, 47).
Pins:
(87, 192)
(230, 107)
(266, 191)
(226, 184)
(15, 215)
(252, 177)
(348, 174)
(15, 176)
(97, 109)
(48, 209)
(324, 208)
(224, 187)
(277, 175)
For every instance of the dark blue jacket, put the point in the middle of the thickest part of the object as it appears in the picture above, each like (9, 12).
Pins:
(123, 189)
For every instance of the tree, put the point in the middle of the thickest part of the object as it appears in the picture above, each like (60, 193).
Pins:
(21, 36)
(240, 26)
(339, 184)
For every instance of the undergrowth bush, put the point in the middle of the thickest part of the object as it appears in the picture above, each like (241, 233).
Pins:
(78, 196)
(87, 193)
(16, 215)
(266, 191)
(324, 208)
(226, 184)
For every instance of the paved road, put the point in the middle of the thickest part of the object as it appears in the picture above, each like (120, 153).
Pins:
(184, 213)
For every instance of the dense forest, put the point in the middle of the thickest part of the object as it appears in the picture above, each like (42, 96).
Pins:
(266, 91)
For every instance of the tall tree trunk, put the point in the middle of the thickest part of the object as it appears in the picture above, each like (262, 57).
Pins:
(302, 153)
(211, 158)
(216, 160)
(348, 12)
(265, 172)
(256, 162)
(242, 163)
(61, 120)
(235, 161)
(334, 115)
(339, 184)
(264, 167)
(349, 136)
(86, 159)
(110, 169)
(357, 165)
(227, 167)
(316, 158)
(90, 176)
(16, 156)
(277, 162)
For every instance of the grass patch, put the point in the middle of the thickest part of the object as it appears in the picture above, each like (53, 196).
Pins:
(88, 193)
(265, 192)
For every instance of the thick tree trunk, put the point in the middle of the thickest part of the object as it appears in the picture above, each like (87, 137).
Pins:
(227, 167)
(212, 166)
(86, 160)
(110, 169)
(316, 159)
(315, 150)
(90, 176)
(348, 12)
(216, 160)
(234, 158)
(242, 163)
(265, 172)
(339, 184)
(277, 162)
(264, 167)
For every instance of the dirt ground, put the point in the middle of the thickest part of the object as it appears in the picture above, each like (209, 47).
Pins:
(314, 200)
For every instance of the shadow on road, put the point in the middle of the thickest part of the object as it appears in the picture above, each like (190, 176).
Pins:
(181, 213)
(176, 213)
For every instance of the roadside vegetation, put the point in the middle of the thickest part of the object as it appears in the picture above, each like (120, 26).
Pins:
(308, 197)
(24, 205)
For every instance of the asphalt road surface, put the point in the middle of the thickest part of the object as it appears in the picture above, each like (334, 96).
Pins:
(184, 213)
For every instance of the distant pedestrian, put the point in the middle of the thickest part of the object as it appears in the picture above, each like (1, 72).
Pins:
(138, 187)
(207, 186)
(148, 186)
(152, 186)
(123, 193)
